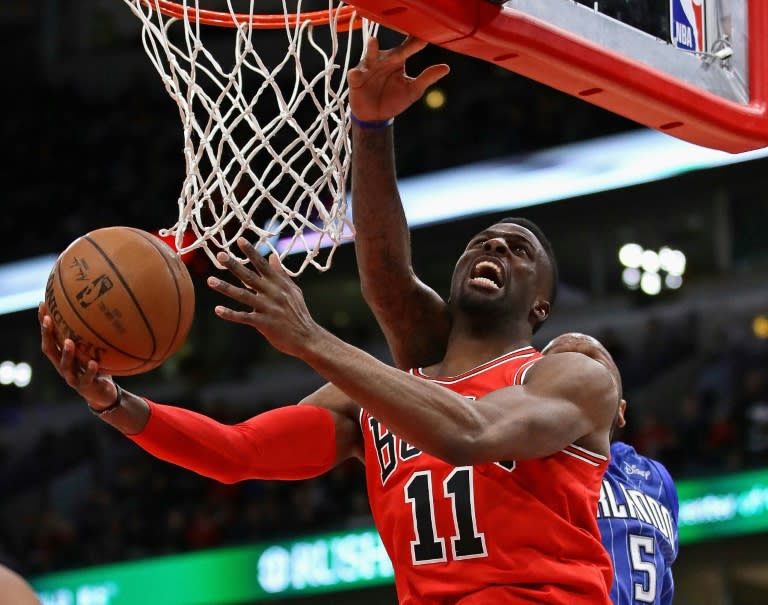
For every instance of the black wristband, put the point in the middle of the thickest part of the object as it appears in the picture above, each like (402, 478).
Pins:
(112, 406)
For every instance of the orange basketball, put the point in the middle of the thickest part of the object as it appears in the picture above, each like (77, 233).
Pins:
(124, 297)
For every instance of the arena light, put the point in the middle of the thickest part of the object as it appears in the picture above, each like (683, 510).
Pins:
(18, 374)
(631, 277)
(650, 261)
(651, 271)
(435, 99)
(630, 255)
(672, 261)
(650, 283)
(760, 327)
(672, 281)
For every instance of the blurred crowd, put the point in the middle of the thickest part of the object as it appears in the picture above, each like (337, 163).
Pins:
(706, 410)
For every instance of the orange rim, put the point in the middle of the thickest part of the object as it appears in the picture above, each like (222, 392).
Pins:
(343, 16)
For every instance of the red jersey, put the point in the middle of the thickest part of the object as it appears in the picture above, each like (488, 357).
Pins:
(510, 532)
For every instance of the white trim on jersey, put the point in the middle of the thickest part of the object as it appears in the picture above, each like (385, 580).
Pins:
(587, 460)
(488, 365)
(522, 371)
(585, 455)
(586, 451)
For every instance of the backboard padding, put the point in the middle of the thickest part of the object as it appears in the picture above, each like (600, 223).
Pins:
(548, 54)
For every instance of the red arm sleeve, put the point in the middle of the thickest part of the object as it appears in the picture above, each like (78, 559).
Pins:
(292, 442)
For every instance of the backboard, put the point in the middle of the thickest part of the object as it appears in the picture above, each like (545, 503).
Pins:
(695, 69)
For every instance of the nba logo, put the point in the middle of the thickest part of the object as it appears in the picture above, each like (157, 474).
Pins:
(687, 25)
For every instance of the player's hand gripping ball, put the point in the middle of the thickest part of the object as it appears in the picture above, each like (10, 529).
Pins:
(124, 297)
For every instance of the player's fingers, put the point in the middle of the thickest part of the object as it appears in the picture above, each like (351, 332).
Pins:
(42, 311)
(410, 46)
(372, 50)
(244, 296)
(89, 373)
(49, 346)
(67, 365)
(273, 278)
(355, 77)
(256, 259)
(276, 266)
(248, 277)
(239, 317)
(430, 76)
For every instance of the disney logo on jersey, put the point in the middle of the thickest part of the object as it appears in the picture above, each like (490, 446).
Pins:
(633, 469)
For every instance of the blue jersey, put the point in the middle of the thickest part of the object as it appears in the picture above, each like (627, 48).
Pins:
(637, 517)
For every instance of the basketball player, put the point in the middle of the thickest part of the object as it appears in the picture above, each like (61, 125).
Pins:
(501, 510)
(14, 590)
(641, 537)
(483, 490)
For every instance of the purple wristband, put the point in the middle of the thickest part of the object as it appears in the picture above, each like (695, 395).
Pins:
(373, 125)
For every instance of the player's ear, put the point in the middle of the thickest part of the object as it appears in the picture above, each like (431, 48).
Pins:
(620, 420)
(541, 310)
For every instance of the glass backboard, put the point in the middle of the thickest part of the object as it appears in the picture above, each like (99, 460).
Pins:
(695, 69)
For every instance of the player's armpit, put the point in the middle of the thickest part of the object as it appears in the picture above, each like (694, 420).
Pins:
(346, 413)
(567, 398)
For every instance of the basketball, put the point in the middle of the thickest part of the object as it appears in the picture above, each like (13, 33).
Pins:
(124, 297)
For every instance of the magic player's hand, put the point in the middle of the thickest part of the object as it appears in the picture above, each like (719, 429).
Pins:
(380, 89)
(574, 342)
(276, 306)
(96, 388)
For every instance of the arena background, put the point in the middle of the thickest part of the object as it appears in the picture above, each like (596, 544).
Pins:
(91, 140)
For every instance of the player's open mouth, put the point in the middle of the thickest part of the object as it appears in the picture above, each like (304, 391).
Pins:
(487, 274)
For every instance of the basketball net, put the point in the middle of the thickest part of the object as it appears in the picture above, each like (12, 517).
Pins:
(266, 143)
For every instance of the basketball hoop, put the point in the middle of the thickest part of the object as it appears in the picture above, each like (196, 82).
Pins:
(266, 126)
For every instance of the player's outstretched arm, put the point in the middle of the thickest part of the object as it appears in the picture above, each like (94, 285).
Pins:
(412, 316)
(291, 442)
(570, 397)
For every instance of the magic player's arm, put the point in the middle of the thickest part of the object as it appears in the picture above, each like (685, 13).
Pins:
(413, 317)
(291, 442)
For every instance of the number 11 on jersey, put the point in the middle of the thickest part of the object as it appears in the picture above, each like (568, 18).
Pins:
(428, 547)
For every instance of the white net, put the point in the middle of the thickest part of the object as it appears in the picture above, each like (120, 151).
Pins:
(266, 129)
